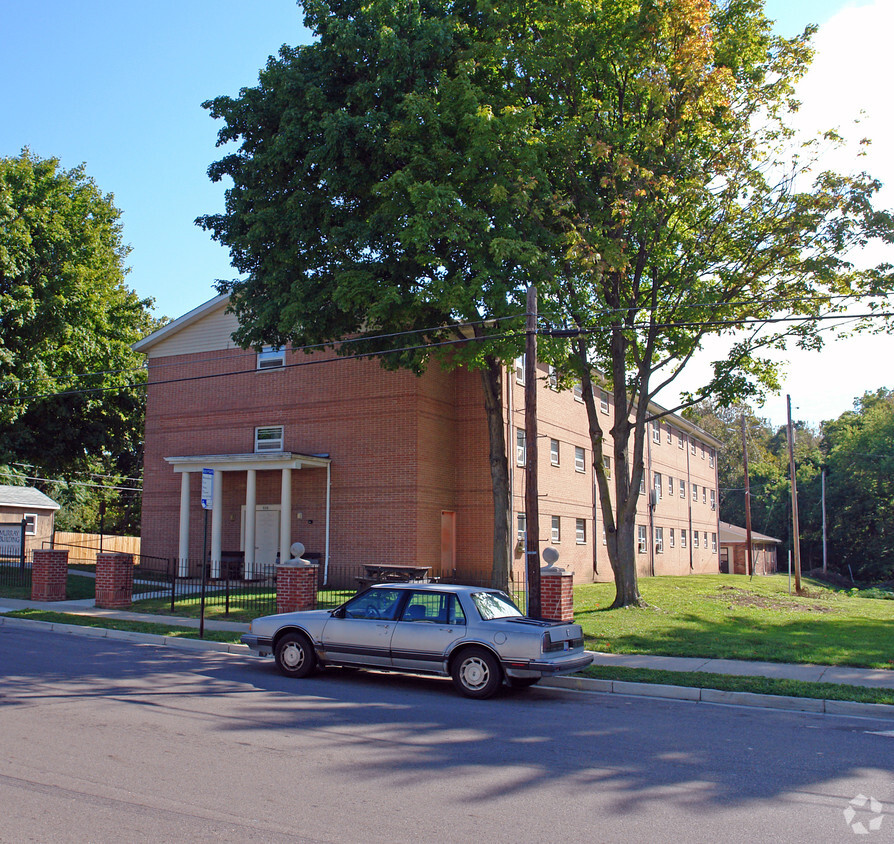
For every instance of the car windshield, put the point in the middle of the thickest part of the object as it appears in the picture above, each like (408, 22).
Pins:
(495, 605)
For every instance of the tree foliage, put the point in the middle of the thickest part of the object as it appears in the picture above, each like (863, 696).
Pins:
(67, 322)
(857, 452)
(683, 208)
(420, 163)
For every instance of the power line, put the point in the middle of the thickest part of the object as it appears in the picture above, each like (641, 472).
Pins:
(452, 342)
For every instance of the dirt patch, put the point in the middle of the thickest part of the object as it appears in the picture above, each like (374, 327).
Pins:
(743, 598)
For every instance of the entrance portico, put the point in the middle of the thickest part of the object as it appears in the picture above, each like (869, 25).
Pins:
(251, 464)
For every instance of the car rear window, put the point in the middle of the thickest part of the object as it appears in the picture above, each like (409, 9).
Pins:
(495, 605)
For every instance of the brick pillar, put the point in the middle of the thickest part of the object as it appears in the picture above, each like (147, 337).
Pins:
(49, 571)
(556, 594)
(296, 587)
(114, 581)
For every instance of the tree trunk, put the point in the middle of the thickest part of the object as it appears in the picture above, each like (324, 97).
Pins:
(492, 381)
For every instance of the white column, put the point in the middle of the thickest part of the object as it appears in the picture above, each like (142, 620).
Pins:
(251, 506)
(183, 547)
(216, 523)
(285, 516)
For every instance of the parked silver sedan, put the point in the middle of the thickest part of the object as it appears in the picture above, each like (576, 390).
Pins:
(475, 635)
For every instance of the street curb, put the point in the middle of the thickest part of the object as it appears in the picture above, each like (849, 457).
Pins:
(589, 685)
(794, 704)
(126, 635)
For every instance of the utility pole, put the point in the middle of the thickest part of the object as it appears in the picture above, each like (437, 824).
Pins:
(823, 483)
(796, 538)
(532, 504)
(750, 560)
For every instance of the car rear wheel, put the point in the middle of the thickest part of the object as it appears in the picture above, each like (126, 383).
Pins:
(476, 673)
(294, 655)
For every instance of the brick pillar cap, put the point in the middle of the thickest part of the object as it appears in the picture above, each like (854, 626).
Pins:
(552, 570)
(297, 564)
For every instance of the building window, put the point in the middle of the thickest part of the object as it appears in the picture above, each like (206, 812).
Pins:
(580, 531)
(30, 523)
(695, 492)
(520, 370)
(603, 401)
(553, 377)
(556, 530)
(682, 537)
(692, 445)
(670, 485)
(269, 438)
(679, 439)
(705, 535)
(271, 357)
(705, 497)
(659, 540)
(579, 459)
(695, 539)
(670, 435)
(521, 521)
(641, 539)
(711, 458)
(554, 452)
(521, 449)
(642, 485)
(607, 463)
(656, 432)
(682, 488)
(704, 451)
(670, 537)
(604, 537)
(658, 485)
(714, 542)
(713, 499)
(578, 391)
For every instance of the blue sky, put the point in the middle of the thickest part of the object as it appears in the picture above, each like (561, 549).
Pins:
(119, 86)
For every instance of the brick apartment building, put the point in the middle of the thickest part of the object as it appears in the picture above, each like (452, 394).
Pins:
(367, 466)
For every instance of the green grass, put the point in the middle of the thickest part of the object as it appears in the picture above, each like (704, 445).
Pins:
(121, 624)
(729, 683)
(76, 589)
(732, 617)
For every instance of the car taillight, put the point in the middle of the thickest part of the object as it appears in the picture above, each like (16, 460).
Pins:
(549, 645)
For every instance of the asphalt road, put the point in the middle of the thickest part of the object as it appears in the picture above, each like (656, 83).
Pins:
(110, 741)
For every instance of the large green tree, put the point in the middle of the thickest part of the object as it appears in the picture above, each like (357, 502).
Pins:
(683, 207)
(381, 189)
(420, 162)
(860, 455)
(67, 322)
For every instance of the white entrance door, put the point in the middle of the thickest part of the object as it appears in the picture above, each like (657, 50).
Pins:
(266, 536)
(266, 533)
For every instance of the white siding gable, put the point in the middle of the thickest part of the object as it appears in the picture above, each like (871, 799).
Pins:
(207, 328)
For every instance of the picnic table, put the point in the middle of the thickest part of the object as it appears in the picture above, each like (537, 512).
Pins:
(387, 573)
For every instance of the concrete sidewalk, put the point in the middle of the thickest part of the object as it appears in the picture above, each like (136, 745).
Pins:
(869, 677)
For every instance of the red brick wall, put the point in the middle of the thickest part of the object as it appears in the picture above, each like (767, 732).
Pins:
(114, 581)
(296, 588)
(48, 575)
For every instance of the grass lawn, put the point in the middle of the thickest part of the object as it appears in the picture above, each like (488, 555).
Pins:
(731, 683)
(77, 588)
(121, 624)
(732, 617)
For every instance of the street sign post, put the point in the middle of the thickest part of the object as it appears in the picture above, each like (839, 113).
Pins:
(207, 488)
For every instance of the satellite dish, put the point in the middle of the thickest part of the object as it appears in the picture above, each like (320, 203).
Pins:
(550, 556)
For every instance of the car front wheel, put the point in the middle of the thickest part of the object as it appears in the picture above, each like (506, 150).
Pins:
(476, 673)
(294, 655)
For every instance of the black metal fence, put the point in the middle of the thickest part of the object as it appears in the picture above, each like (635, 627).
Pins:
(15, 574)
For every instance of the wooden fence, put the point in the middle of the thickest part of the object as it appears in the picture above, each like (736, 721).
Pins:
(83, 547)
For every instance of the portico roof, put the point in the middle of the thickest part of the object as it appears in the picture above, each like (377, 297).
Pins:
(243, 462)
